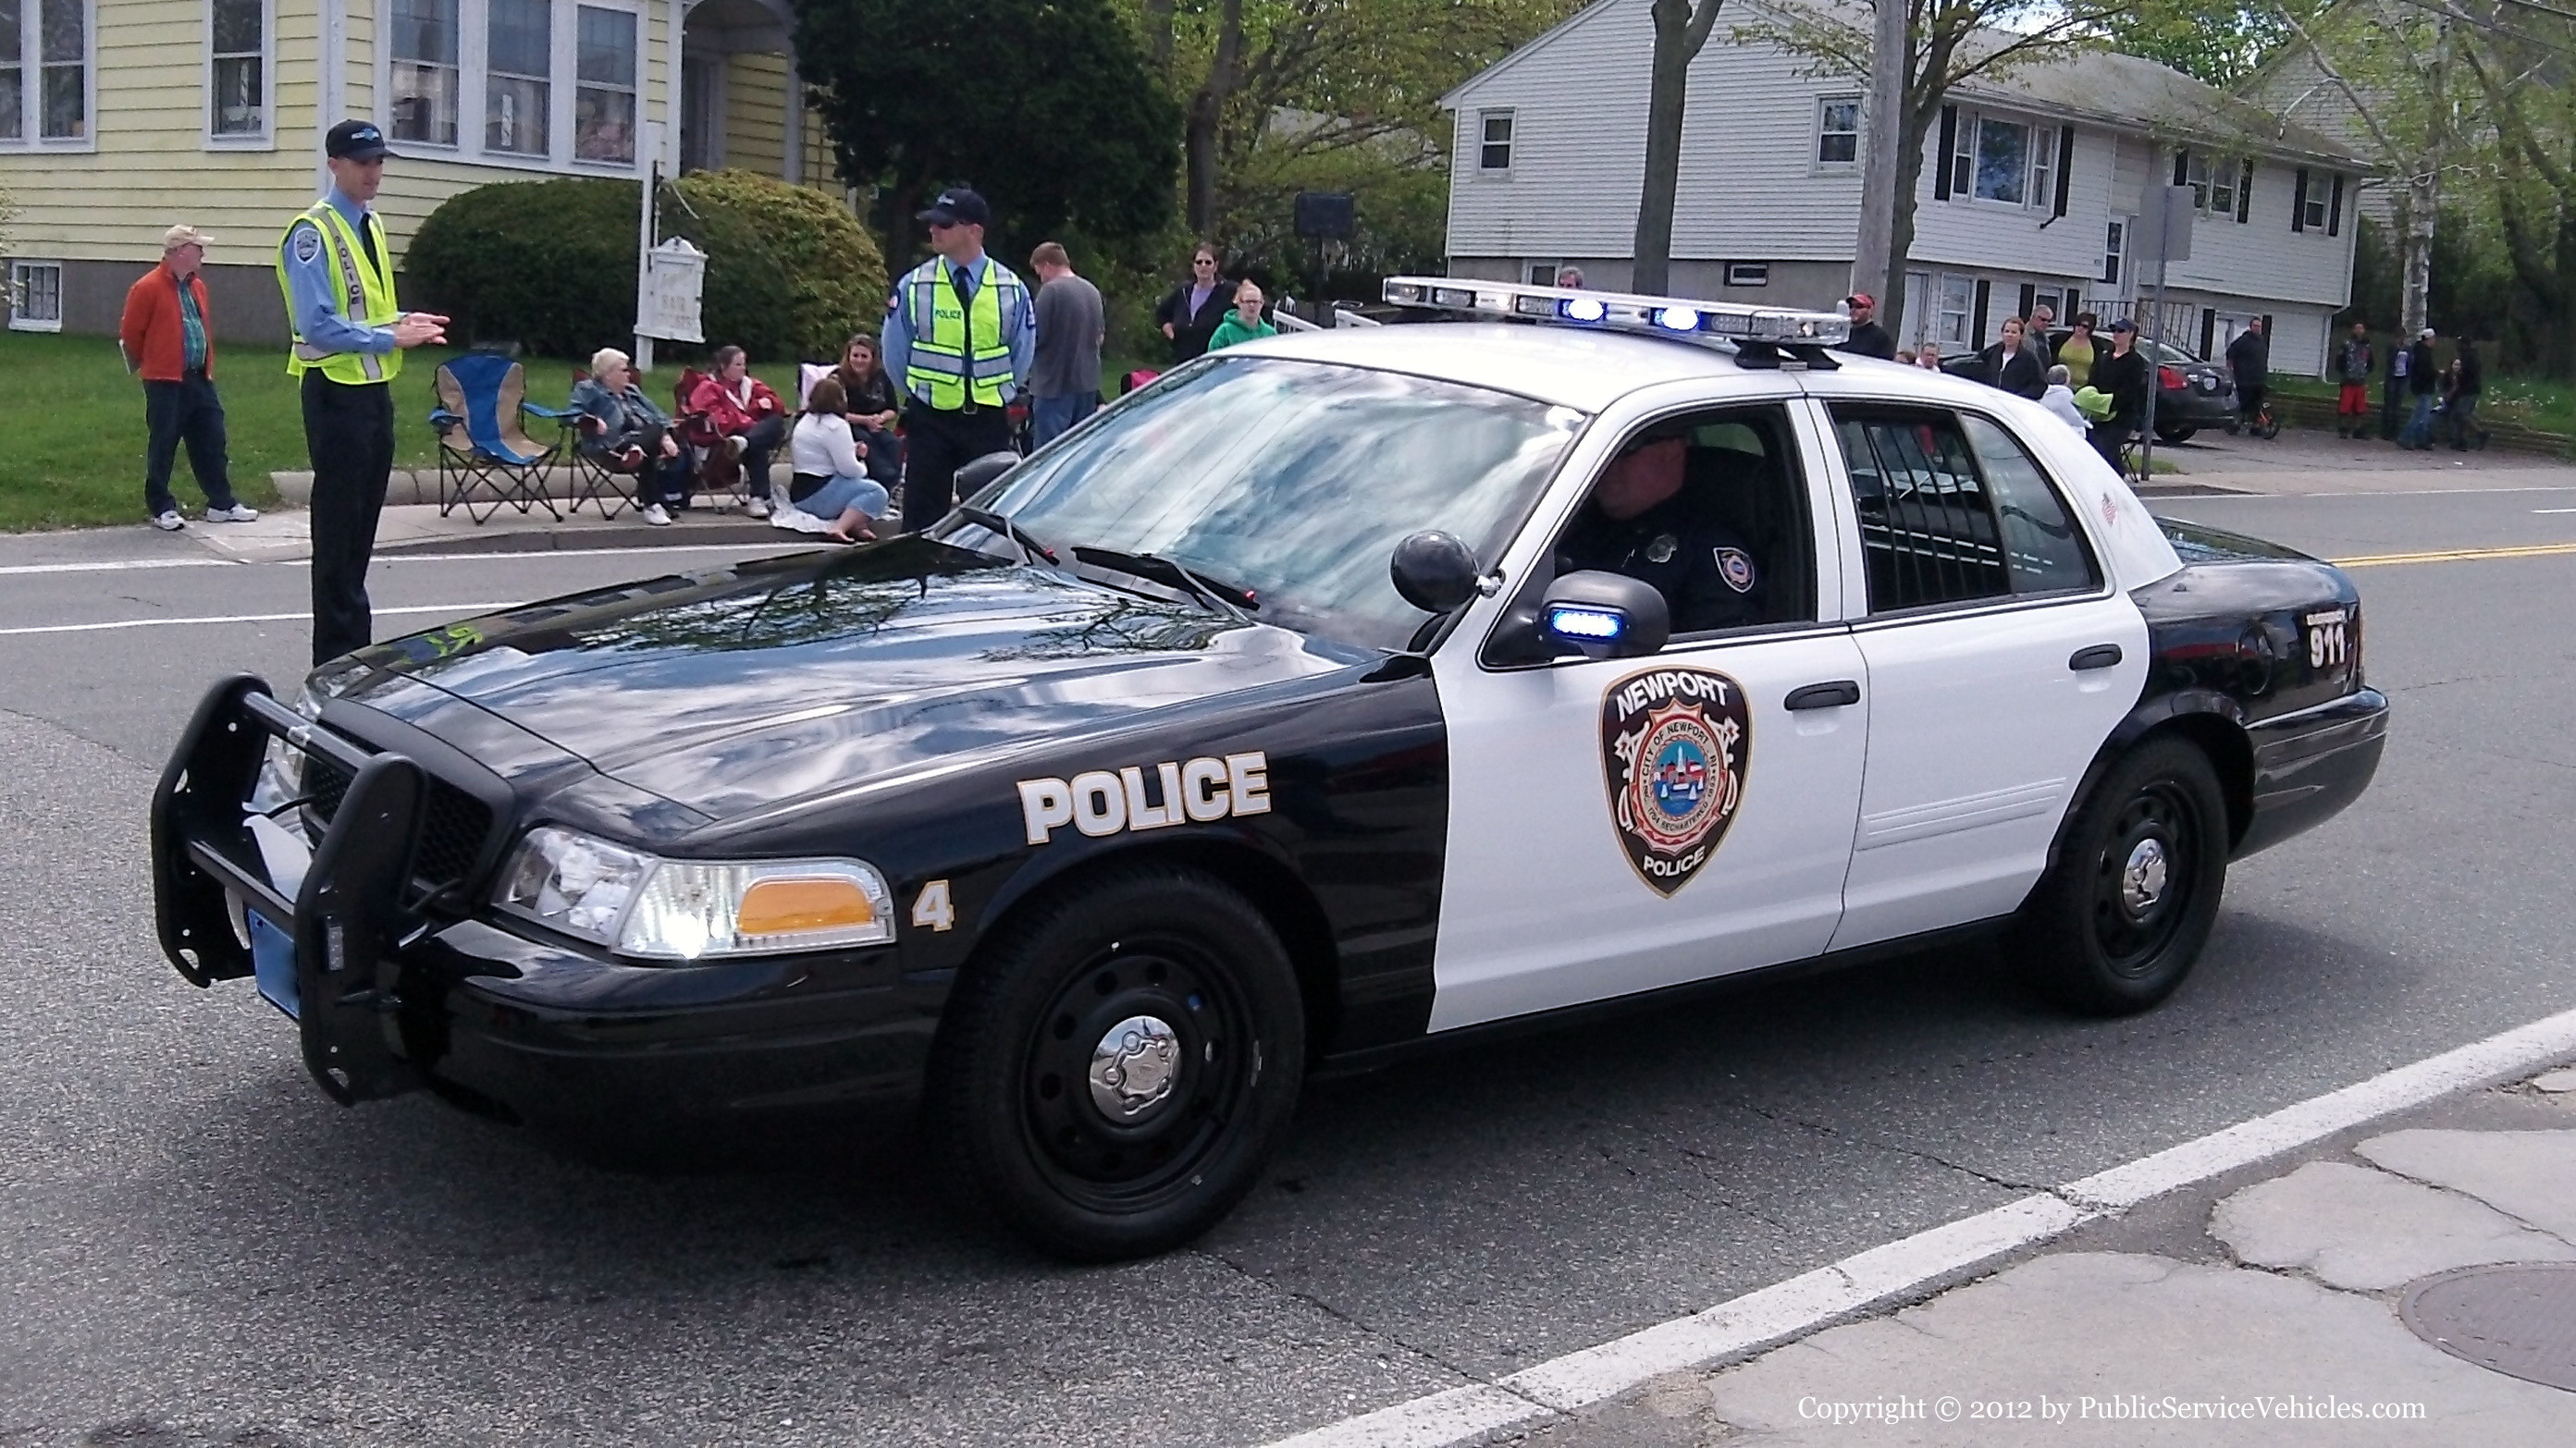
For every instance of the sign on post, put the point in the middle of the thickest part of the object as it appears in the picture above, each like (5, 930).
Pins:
(675, 276)
(2165, 215)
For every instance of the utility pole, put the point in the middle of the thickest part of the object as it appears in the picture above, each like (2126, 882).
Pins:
(1874, 269)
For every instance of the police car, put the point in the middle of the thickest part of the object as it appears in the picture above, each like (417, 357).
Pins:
(1321, 700)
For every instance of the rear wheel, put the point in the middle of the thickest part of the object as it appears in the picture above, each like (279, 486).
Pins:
(2176, 434)
(2119, 920)
(1117, 1066)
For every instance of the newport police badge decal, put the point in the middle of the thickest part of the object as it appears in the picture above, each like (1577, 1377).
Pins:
(1674, 744)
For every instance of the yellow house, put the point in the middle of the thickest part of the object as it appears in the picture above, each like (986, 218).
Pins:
(119, 118)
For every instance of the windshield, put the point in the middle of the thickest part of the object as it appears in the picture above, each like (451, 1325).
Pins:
(1295, 480)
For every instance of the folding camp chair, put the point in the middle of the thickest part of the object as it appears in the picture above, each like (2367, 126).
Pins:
(713, 469)
(484, 453)
(600, 479)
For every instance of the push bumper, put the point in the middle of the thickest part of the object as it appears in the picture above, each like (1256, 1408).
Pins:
(396, 988)
(2309, 765)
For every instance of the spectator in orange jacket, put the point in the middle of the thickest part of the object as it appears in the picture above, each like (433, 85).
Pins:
(169, 337)
(748, 414)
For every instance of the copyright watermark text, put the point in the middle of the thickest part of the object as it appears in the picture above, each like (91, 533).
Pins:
(2111, 1408)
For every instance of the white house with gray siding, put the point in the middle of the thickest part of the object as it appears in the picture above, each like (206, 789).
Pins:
(2029, 193)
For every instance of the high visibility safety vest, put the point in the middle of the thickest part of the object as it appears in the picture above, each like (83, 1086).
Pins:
(366, 292)
(958, 350)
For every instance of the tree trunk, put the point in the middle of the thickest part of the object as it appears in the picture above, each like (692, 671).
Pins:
(1876, 268)
(1667, 91)
(1200, 135)
(2415, 215)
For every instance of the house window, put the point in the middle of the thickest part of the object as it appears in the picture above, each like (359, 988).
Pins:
(515, 93)
(603, 107)
(2003, 161)
(237, 70)
(44, 69)
(2043, 165)
(1838, 131)
(2222, 189)
(2115, 250)
(1958, 304)
(2315, 205)
(1748, 274)
(2196, 175)
(424, 72)
(35, 296)
(1494, 147)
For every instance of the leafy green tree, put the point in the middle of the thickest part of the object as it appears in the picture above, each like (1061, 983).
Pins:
(2222, 42)
(1047, 107)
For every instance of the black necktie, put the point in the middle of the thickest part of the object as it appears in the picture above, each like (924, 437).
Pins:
(965, 279)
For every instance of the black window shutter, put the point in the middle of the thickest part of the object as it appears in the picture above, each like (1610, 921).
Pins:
(1949, 143)
(2074, 304)
(2267, 329)
(2065, 167)
(2029, 299)
(2334, 218)
(2208, 329)
(1977, 331)
(2299, 202)
(2245, 193)
(2182, 168)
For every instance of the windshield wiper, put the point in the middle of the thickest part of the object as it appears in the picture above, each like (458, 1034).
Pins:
(1227, 597)
(1031, 550)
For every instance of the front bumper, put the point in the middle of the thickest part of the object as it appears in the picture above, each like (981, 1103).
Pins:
(396, 984)
(2309, 765)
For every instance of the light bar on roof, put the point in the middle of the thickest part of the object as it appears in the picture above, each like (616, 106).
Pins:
(1618, 311)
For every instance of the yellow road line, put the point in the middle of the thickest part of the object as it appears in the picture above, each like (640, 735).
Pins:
(2455, 555)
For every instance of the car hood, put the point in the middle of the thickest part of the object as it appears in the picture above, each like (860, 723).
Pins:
(743, 688)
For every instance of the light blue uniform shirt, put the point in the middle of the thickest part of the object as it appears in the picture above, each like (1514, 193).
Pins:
(321, 316)
(1019, 331)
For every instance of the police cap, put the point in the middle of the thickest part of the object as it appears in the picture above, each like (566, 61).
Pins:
(957, 206)
(355, 141)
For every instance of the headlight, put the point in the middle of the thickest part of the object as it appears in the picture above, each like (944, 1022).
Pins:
(692, 909)
(281, 770)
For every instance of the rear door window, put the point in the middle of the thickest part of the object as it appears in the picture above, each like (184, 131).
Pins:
(1954, 511)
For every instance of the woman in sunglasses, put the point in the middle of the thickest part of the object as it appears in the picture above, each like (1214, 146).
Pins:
(1189, 315)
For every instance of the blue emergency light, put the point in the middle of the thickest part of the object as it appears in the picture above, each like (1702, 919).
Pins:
(1661, 316)
(1590, 624)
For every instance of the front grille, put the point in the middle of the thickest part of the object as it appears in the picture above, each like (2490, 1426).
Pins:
(454, 824)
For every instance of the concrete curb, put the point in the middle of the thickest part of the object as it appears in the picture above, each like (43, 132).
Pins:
(416, 486)
(618, 535)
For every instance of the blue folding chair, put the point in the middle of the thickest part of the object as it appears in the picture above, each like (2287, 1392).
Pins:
(485, 456)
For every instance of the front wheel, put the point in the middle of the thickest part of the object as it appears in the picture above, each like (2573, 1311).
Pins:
(1118, 1064)
(2176, 434)
(2119, 920)
(2267, 427)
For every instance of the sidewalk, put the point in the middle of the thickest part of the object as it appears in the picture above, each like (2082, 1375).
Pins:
(2310, 461)
(2413, 1283)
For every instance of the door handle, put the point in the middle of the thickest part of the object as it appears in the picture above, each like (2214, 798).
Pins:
(1833, 695)
(2100, 656)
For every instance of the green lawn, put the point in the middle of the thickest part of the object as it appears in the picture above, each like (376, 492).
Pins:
(2545, 403)
(75, 453)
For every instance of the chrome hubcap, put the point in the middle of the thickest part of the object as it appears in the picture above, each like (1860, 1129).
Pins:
(2142, 879)
(1135, 1067)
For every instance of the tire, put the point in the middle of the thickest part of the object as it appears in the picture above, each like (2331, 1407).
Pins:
(2085, 939)
(2269, 429)
(2176, 434)
(1068, 1144)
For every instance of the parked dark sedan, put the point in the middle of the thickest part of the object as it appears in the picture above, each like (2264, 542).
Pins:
(2192, 393)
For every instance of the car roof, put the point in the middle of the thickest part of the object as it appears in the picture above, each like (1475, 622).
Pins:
(1568, 366)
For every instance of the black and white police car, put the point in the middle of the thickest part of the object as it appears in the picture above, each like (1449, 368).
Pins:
(1268, 719)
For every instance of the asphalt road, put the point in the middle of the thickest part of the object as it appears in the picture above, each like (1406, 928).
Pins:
(201, 1249)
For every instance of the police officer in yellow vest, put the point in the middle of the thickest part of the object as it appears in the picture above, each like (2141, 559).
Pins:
(960, 337)
(337, 273)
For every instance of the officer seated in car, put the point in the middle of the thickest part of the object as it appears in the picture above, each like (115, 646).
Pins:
(1650, 519)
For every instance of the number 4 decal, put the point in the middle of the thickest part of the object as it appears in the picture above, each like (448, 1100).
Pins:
(931, 907)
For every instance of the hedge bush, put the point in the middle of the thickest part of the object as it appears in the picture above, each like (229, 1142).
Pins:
(550, 265)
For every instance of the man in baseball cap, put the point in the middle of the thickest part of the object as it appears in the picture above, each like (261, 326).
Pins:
(168, 336)
(357, 141)
(960, 339)
(1868, 338)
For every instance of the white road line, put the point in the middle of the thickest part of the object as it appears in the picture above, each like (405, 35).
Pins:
(1744, 1325)
(2233, 495)
(119, 567)
(454, 609)
(2554, 510)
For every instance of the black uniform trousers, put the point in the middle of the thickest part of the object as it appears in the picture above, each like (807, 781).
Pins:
(184, 411)
(349, 433)
(935, 445)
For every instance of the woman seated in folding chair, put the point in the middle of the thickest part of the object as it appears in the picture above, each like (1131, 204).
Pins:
(747, 423)
(628, 433)
(831, 484)
(872, 407)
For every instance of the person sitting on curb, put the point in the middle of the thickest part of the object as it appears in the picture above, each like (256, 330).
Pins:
(633, 434)
(751, 419)
(1245, 323)
(831, 482)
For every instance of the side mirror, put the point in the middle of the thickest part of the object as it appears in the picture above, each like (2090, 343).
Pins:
(1434, 571)
(1605, 615)
(972, 478)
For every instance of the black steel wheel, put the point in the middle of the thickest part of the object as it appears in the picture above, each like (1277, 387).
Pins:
(2176, 434)
(2121, 917)
(1118, 1063)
